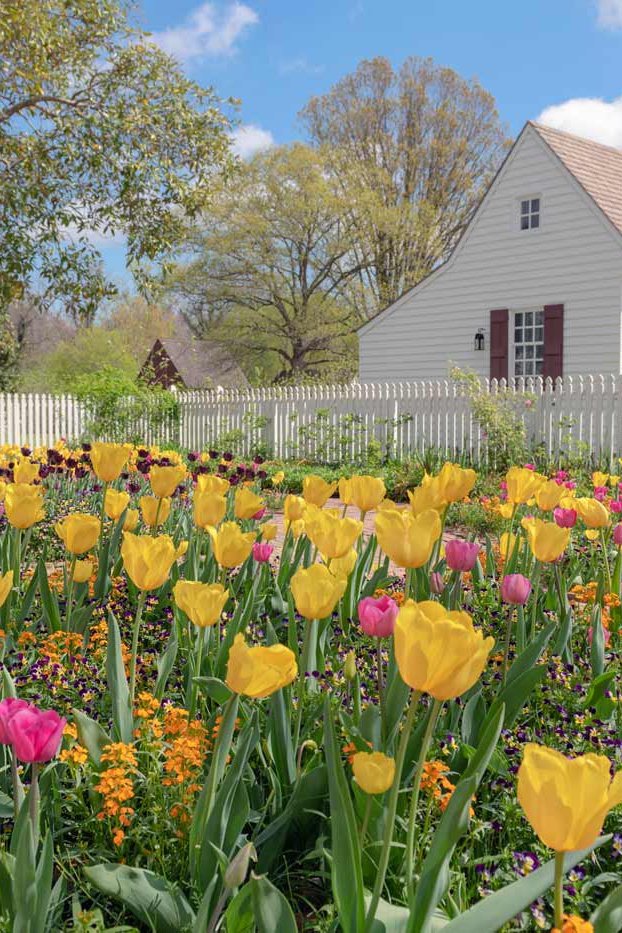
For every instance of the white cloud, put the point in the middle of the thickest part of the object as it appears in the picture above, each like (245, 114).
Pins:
(592, 117)
(300, 65)
(249, 139)
(207, 31)
(609, 13)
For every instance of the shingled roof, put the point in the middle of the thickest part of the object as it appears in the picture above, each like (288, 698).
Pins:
(192, 364)
(597, 168)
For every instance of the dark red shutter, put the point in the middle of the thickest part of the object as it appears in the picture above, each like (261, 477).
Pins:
(553, 341)
(499, 344)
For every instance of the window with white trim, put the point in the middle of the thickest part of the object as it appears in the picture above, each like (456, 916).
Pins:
(530, 214)
(528, 343)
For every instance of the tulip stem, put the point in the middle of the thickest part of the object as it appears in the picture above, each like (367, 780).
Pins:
(33, 801)
(197, 670)
(603, 541)
(380, 680)
(366, 820)
(139, 614)
(72, 571)
(559, 890)
(310, 629)
(102, 518)
(414, 800)
(18, 789)
(392, 810)
(536, 591)
(506, 648)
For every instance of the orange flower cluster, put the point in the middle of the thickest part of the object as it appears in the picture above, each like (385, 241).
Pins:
(434, 780)
(185, 746)
(350, 750)
(396, 595)
(587, 594)
(58, 645)
(146, 706)
(76, 754)
(116, 786)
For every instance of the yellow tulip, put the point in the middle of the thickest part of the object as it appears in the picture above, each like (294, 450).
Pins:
(342, 566)
(231, 545)
(79, 532)
(297, 527)
(25, 472)
(426, 497)
(592, 512)
(373, 772)
(247, 503)
(345, 490)
(209, 482)
(506, 510)
(389, 506)
(152, 506)
(131, 520)
(455, 482)
(439, 652)
(268, 531)
(203, 603)
(316, 591)
(522, 484)
(148, 560)
(349, 666)
(549, 495)
(406, 539)
(592, 534)
(24, 505)
(209, 509)
(367, 492)
(507, 543)
(293, 508)
(331, 535)
(115, 503)
(566, 800)
(6, 583)
(546, 540)
(600, 479)
(261, 671)
(83, 571)
(108, 460)
(316, 490)
(165, 479)
(277, 478)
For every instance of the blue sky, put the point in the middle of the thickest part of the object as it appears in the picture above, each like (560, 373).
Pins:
(558, 60)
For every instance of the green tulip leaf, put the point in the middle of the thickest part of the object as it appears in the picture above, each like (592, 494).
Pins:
(607, 918)
(270, 908)
(152, 899)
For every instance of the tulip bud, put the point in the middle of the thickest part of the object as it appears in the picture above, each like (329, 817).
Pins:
(617, 535)
(461, 555)
(349, 668)
(437, 584)
(515, 589)
(377, 616)
(565, 518)
(237, 869)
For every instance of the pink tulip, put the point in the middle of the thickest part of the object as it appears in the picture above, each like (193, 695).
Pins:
(530, 466)
(617, 535)
(515, 589)
(461, 555)
(262, 551)
(377, 616)
(8, 709)
(565, 518)
(36, 734)
(259, 514)
(616, 506)
(606, 635)
(600, 493)
(570, 485)
(437, 584)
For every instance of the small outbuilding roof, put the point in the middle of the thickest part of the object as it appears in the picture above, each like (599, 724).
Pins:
(192, 364)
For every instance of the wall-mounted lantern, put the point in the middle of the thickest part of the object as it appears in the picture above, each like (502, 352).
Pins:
(480, 342)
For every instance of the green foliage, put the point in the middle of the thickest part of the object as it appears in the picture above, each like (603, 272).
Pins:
(93, 359)
(498, 416)
(100, 131)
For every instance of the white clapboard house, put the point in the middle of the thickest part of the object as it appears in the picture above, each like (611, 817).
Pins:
(533, 287)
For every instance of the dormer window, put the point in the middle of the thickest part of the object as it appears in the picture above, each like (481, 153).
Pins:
(530, 213)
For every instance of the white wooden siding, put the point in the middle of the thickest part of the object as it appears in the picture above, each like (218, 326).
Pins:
(574, 259)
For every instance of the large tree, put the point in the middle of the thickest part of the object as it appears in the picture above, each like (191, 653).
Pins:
(100, 133)
(416, 148)
(276, 269)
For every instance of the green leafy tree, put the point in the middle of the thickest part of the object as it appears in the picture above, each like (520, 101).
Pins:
(140, 323)
(414, 149)
(276, 272)
(100, 133)
(75, 361)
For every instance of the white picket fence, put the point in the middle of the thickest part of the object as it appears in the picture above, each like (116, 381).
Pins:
(578, 413)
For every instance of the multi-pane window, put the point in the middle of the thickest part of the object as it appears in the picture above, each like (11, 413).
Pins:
(530, 213)
(529, 343)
